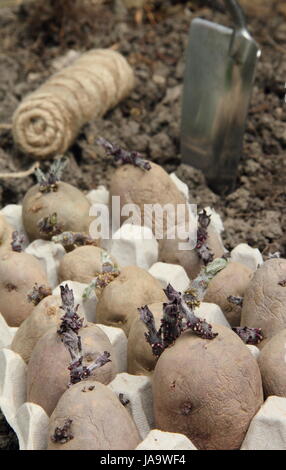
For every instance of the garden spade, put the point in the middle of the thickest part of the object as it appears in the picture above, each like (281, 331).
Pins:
(218, 82)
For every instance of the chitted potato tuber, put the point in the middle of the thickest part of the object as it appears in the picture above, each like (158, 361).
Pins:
(117, 305)
(89, 416)
(160, 324)
(231, 281)
(147, 185)
(52, 206)
(48, 120)
(265, 299)
(272, 364)
(47, 314)
(19, 272)
(67, 355)
(82, 264)
(207, 390)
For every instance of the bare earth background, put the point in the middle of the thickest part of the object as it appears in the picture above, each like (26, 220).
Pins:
(35, 35)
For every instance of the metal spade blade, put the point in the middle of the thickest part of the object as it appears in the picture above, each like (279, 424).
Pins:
(218, 82)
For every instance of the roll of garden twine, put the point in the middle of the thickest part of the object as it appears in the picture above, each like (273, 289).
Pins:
(48, 120)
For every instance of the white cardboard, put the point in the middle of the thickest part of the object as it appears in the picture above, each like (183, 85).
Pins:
(254, 350)
(49, 254)
(216, 220)
(137, 389)
(7, 333)
(133, 245)
(182, 187)
(87, 306)
(98, 196)
(118, 339)
(170, 273)
(267, 430)
(13, 215)
(32, 426)
(212, 313)
(13, 372)
(160, 440)
(245, 254)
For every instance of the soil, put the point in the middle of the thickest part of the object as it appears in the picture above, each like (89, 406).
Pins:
(35, 40)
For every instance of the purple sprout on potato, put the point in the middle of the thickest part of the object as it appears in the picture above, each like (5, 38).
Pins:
(177, 318)
(17, 241)
(38, 293)
(48, 182)
(68, 331)
(249, 335)
(123, 157)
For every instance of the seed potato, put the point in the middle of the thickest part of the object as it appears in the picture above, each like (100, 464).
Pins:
(19, 272)
(169, 252)
(265, 299)
(82, 264)
(70, 204)
(48, 375)
(272, 364)
(232, 280)
(99, 420)
(208, 390)
(119, 301)
(47, 314)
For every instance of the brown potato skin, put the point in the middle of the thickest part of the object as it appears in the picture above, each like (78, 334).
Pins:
(232, 280)
(19, 272)
(272, 364)
(82, 264)
(264, 300)
(99, 420)
(70, 204)
(140, 187)
(48, 375)
(208, 390)
(119, 302)
(189, 259)
(5, 234)
(47, 314)
(140, 359)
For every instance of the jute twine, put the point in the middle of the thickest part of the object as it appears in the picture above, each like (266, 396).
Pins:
(49, 119)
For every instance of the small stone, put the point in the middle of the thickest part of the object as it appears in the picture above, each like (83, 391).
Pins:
(159, 80)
